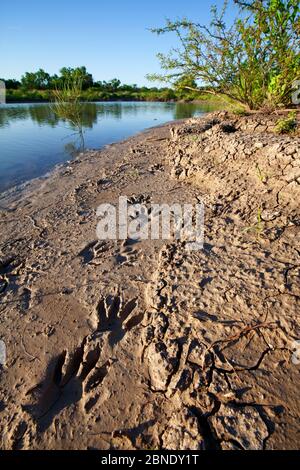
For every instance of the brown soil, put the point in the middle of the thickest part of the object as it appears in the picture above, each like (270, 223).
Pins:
(148, 345)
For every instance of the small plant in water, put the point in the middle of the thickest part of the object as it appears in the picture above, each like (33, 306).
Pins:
(67, 106)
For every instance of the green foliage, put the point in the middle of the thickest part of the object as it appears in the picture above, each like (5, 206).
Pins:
(261, 175)
(112, 86)
(125, 93)
(39, 86)
(288, 124)
(11, 84)
(67, 101)
(238, 111)
(254, 61)
(186, 88)
(39, 80)
(79, 74)
(68, 105)
(21, 95)
(257, 228)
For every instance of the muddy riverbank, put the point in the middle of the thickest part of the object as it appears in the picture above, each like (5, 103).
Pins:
(147, 345)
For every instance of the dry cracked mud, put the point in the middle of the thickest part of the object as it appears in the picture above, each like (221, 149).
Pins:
(125, 344)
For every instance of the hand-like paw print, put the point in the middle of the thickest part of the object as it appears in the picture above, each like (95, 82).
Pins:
(127, 254)
(117, 317)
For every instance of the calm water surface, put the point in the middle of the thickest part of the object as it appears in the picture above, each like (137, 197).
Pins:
(33, 139)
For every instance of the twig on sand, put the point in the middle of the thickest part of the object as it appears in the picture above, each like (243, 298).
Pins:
(242, 333)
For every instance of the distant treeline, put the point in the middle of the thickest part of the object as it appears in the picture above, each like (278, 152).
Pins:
(39, 86)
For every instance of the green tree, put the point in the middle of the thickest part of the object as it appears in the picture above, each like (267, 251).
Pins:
(12, 84)
(68, 74)
(115, 84)
(254, 61)
(39, 80)
(185, 87)
(271, 40)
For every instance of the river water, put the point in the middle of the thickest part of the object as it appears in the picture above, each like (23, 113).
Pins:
(33, 139)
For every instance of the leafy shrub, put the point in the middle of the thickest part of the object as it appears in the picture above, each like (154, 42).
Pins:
(288, 124)
(255, 60)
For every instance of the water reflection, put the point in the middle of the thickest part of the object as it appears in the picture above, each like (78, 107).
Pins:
(33, 138)
(187, 110)
(43, 114)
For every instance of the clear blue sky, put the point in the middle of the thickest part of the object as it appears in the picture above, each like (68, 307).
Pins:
(109, 37)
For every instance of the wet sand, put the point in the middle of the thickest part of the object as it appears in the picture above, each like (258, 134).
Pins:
(147, 345)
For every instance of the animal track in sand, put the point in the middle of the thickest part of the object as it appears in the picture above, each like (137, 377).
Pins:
(94, 251)
(116, 317)
(127, 255)
(10, 268)
(139, 199)
(16, 433)
(70, 378)
(103, 183)
(3, 284)
(25, 299)
(98, 250)
(74, 377)
(157, 167)
(9, 265)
